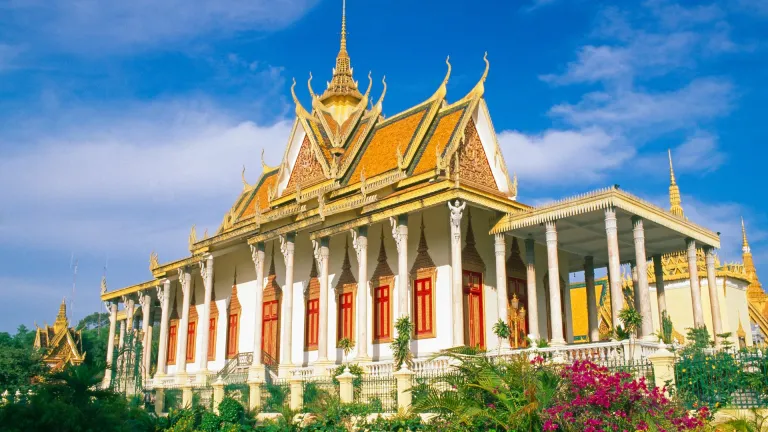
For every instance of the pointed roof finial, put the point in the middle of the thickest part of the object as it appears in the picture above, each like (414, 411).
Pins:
(744, 243)
(674, 192)
(342, 83)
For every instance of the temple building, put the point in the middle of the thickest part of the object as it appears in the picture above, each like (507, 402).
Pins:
(745, 305)
(368, 219)
(60, 344)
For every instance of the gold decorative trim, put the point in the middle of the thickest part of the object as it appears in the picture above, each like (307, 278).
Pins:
(130, 290)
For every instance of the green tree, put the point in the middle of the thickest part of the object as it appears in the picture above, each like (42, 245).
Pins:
(94, 330)
(632, 320)
(20, 363)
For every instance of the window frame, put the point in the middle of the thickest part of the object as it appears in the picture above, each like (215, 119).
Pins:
(173, 336)
(351, 290)
(212, 324)
(191, 341)
(422, 275)
(377, 338)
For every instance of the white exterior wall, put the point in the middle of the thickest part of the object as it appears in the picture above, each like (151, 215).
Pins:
(733, 306)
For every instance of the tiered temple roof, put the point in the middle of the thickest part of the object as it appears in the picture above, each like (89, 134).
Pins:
(61, 345)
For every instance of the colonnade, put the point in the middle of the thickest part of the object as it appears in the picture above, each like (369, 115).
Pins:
(399, 227)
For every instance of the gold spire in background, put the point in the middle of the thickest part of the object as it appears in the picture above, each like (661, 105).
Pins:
(342, 84)
(674, 191)
(61, 319)
(744, 243)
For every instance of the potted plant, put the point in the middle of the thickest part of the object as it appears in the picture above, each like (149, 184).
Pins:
(502, 331)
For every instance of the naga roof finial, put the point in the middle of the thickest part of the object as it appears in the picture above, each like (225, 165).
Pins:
(441, 91)
(383, 92)
(299, 107)
(309, 85)
(245, 183)
(480, 86)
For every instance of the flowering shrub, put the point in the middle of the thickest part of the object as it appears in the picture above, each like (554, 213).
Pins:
(592, 399)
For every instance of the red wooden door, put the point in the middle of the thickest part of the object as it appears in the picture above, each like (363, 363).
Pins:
(269, 331)
(473, 293)
(345, 316)
(381, 320)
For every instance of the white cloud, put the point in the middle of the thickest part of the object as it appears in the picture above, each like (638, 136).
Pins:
(699, 153)
(95, 25)
(124, 184)
(537, 4)
(701, 100)
(549, 158)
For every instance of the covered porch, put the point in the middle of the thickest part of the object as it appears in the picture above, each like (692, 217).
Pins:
(605, 229)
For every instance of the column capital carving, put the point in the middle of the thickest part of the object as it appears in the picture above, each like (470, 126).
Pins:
(286, 244)
(397, 234)
(500, 245)
(257, 254)
(184, 280)
(551, 232)
(457, 211)
(144, 300)
(161, 293)
(359, 242)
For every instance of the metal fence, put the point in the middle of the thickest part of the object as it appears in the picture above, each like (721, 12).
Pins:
(173, 398)
(275, 396)
(203, 397)
(239, 392)
(736, 379)
(636, 368)
(378, 392)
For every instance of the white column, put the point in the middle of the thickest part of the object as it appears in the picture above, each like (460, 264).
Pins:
(457, 297)
(360, 243)
(643, 292)
(589, 281)
(568, 316)
(256, 371)
(554, 286)
(614, 265)
(112, 328)
(185, 278)
(206, 273)
(286, 344)
(714, 299)
(661, 299)
(322, 254)
(501, 281)
(698, 310)
(635, 290)
(146, 343)
(400, 234)
(164, 295)
(533, 300)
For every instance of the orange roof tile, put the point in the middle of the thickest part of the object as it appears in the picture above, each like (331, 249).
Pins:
(380, 153)
(260, 194)
(440, 135)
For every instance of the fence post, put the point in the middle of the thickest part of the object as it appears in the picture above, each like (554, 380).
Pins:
(186, 396)
(159, 400)
(297, 393)
(404, 379)
(346, 388)
(254, 396)
(663, 362)
(218, 394)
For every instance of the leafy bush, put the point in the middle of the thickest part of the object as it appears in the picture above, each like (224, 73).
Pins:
(231, 411)
(703, 377)
(591, 398)
(210, 422)
(354, 369)
(401, 345)
(487, 394)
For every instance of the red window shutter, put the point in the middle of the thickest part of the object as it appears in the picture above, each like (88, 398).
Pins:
(232, 331)
(172, 344)
(212, 339)
(423, 306)
(191, 341)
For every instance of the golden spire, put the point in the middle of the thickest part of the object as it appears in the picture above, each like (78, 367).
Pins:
(674, 191)
(342, 83)
(744, 243)
(61, 318)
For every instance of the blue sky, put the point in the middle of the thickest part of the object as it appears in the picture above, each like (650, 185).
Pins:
(124, 123)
